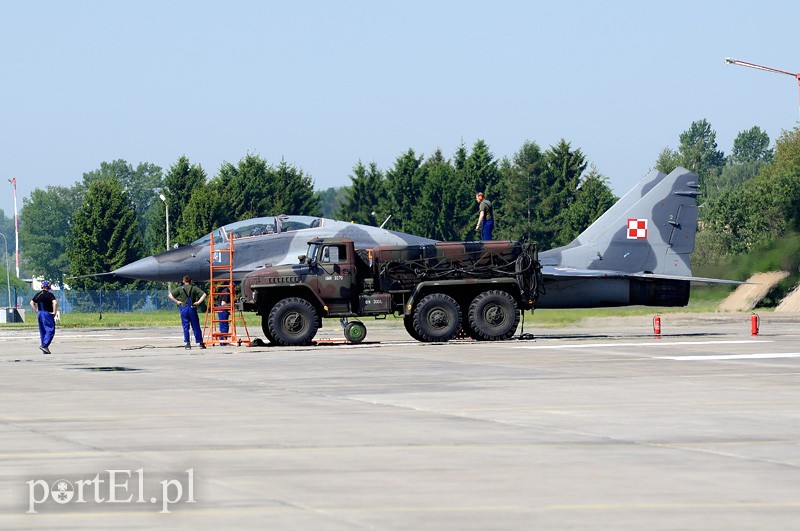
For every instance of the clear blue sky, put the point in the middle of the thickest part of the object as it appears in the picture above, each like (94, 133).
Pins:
(323, 84)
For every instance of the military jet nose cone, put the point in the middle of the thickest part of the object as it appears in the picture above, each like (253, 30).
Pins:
(144, 269)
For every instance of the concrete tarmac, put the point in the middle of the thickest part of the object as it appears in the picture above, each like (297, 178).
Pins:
(596, 426)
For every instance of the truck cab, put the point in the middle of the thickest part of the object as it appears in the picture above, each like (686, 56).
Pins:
(332, 262)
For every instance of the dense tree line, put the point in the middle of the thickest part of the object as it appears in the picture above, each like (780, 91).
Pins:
(114, 215)
(537, 195)
(750, 197)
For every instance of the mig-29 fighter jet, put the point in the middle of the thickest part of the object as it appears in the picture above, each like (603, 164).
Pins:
(259, 242)
(636, 253)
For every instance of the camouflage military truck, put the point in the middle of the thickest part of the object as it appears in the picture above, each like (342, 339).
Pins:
(439, 289)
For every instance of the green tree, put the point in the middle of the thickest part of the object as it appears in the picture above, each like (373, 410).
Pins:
(481, 170)
(7, 226)
(330, 201)
(182, 180)
(293, 191)
(732, 175)
(565, 167)
(105, 235)
(697, 152)
(45, 227)
(667, 160)
(476, 170)
(444, 209)
(246, 186)
(207, 209)
(782, 178)
(750, 153)
(460, 157)
(155, 235)
(524, 183)
(751, 146)
(362, 198)
(593, 198)
(756, 211)
(698, 149)
(141, 183)
(253, 188)
(403, 186)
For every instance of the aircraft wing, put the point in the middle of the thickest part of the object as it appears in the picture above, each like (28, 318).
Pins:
(558, 273)
(562, 273)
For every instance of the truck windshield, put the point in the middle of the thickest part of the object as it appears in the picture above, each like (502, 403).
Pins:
(313, 248)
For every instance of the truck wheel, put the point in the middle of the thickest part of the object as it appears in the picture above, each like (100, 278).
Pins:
(265, 328)
(293, 321)
(467, 328)
(355, 331)
(493, 315)
(408, 323)
(437, 317)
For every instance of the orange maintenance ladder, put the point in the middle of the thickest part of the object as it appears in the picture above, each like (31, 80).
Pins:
(222, 292)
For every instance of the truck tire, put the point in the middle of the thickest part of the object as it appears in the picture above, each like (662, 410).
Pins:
(293, 321)
(467, 328)
(408, 323)
(437, 317)
(493, 315)
(265, 328)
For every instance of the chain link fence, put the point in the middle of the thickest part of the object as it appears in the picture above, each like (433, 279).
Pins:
(95, 301)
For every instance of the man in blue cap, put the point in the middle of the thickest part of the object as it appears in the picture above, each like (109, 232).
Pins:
(45, 305)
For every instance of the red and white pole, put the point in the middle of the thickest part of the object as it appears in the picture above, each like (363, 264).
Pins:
(13, 182)
(755, 324)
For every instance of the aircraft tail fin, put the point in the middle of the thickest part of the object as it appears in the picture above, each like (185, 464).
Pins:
(651, 229)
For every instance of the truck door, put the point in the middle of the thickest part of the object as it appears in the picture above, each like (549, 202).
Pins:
(337, 278)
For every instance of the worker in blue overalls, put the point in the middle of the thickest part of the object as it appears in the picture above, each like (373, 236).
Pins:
(188, 297)
(224, 312)
(45, 305)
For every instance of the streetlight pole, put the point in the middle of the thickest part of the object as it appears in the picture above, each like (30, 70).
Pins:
(730, 61)
(166, 216)
(8, 275)
(166, 207)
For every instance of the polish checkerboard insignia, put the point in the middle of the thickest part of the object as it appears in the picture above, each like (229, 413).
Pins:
(637, 229)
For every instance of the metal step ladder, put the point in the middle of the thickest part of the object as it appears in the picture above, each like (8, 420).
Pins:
(221, 321)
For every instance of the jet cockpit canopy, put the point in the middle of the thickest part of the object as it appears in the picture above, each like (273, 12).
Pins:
(261, 226)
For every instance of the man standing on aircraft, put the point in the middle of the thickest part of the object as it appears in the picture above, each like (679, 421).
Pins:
(188, 297)
(45, 305)
(485, 217)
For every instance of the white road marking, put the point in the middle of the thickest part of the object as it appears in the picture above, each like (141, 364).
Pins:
(764, 356)
(655, 343)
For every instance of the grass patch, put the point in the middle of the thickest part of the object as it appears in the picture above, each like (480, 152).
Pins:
(106, 320)
(780, 254)
(122, 320)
